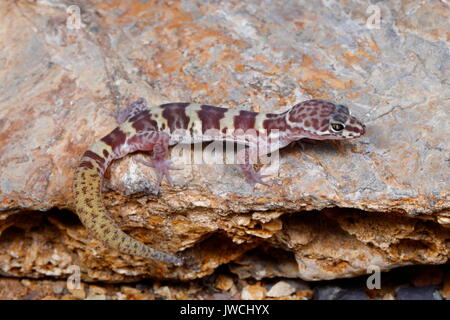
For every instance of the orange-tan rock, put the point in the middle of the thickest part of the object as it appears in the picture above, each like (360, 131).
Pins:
(334, 210)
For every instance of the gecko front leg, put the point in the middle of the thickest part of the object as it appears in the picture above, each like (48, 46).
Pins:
(243, 158)
(159, 143)
(255, 149)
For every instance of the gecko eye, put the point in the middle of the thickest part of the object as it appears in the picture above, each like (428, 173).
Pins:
(337, 126)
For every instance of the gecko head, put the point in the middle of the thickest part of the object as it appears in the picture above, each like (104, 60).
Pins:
(321, 120)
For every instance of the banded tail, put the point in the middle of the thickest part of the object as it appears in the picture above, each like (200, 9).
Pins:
(89, 207)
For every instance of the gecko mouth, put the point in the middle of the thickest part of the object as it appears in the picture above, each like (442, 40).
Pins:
(363, 129)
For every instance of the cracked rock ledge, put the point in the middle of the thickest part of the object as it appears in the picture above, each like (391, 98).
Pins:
(335, 210)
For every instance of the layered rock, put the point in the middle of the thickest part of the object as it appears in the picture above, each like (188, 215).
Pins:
(334, 210)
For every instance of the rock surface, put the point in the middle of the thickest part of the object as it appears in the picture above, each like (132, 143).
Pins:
(281, 289)
(338, 293)
(395, 285)
(387, 193)
(418, 293)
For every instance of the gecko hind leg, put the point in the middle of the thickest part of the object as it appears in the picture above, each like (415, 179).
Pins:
(132, 109)
(162, 168)
(158, 160)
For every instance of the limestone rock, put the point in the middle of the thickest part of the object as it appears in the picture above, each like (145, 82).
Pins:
(446, 286)
(337, 293)
(345, 242)
(387, 193)
(281, 289)
(224, 282)
(418, 293)
(253, 292)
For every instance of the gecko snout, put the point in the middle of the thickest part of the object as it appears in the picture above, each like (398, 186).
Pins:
(363, 129)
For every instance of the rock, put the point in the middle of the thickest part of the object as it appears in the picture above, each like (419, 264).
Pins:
(221, 296)
(339, 293)
(96, 297)
(223, 282)
(418, 293)
(96, 291)
(446, 287)
(253, 292)
(388, 296)
(163, 291)
(58, 288)
(78, 293)
(142, 286)
(342, 242)
(353, 294)
(428, 275)
(386, 194)
(327, 293)
(265, 262)
(303, 295)
(10, 289)
(298, 284)
(280, 289)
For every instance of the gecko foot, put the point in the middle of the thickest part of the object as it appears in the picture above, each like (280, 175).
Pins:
(254, 177)
(162, 168)
(131, 110)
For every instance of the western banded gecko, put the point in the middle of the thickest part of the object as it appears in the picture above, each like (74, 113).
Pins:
(154, 129)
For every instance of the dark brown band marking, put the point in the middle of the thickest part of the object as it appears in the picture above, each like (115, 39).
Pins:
(145, 123)
(275, 122)
(86, 164)
(90, 154)
(144, 141)
(175, 114)
(352, 129)
(297, 113)
(244, 120)
(115, 139)
(210, 117)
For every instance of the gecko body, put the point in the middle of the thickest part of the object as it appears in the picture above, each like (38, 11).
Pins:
(154, 129)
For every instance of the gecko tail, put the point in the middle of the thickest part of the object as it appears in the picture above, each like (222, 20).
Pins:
(93, 215)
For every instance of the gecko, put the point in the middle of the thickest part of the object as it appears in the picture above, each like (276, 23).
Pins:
(154, 129)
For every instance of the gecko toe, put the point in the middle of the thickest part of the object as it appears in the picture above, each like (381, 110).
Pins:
(162, 168)
(255, 178)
